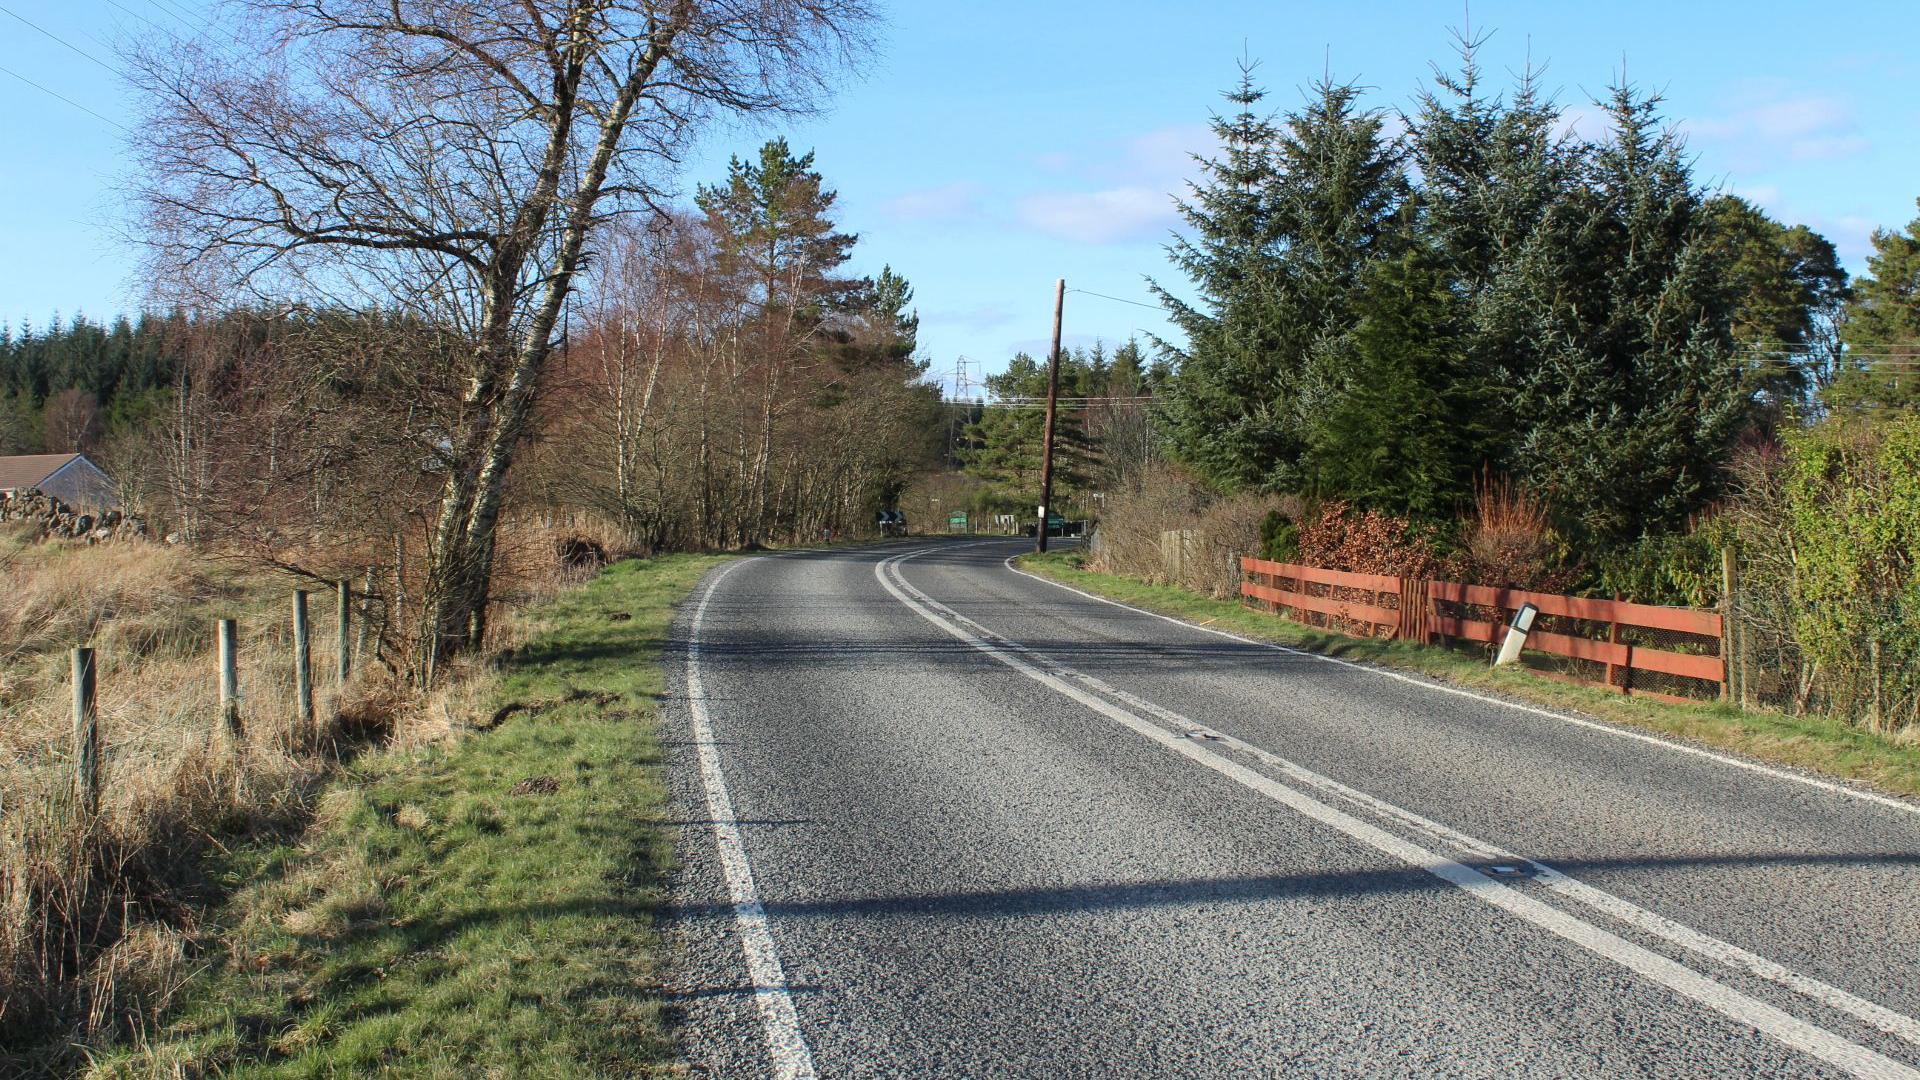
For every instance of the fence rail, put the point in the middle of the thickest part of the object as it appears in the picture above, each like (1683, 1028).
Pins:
(1290, 585)
(1418, 609)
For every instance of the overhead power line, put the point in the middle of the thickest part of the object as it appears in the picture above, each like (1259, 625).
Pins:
(65, 98)
(1117, 299)
(63, 41)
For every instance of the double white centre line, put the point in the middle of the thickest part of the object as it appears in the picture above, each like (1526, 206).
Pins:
(1776, 1023)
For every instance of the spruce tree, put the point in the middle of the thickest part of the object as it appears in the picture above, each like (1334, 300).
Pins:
(1004, 444)
(1493, 171)
(1407, 434)
(1341, 199)
(1284, 221)
(1627, 410)
(1223, 414)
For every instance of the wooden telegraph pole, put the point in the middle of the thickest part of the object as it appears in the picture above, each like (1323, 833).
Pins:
(1053, 392)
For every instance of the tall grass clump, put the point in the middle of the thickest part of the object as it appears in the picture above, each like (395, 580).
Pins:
(1168, 528)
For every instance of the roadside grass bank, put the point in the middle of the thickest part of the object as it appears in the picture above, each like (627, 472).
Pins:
(479, 906)
(1810, 743)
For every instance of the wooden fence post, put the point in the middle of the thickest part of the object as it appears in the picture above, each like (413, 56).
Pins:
(230, 680)
(1613, 638)
(1729, 626)
(302, 664)
(1874, 713)
(366, 616)
(86, 734)
(343, 622)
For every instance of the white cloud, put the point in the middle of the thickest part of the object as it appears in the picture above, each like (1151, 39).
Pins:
(1584, 121)
(960, 199)
(983, 317)
(1770, 125)
(1830, 148)
(1100, 217)
(1127, 187)
(1038, 347)
(1787, 119)
(1166, 154)
(1852, 235)
(1765, 196)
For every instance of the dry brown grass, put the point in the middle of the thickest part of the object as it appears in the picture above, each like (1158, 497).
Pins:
(95, 910)
(1509, 540)
(98, 914)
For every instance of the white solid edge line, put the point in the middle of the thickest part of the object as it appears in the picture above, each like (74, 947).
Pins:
(1595, 725)
(1723, 952)
(1784, 1027)
(781, 1024)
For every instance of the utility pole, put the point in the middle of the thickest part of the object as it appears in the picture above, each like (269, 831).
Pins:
(1053, 392)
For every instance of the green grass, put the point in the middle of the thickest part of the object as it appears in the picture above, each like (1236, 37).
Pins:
(481, 908)
(1816, 744)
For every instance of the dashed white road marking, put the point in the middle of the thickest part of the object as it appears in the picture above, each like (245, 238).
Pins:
(1770, 1020)
(778, 1020)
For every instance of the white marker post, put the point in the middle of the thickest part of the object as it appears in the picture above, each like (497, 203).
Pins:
(1516, 635)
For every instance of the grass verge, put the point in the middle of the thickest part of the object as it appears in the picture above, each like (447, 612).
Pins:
(481, 907)
(1815, 744)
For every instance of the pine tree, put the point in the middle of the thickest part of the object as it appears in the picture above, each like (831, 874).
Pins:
(1881, 329)
(1788, 287)
(875, 328)
(773, 218)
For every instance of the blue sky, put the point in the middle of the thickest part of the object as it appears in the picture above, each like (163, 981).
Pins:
(994, 146)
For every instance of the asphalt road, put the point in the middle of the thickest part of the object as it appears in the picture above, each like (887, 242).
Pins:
(943, 819)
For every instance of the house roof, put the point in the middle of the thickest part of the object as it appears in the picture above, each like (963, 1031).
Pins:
(30, 470)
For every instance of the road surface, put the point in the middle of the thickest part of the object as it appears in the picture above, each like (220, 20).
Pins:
(940, 818)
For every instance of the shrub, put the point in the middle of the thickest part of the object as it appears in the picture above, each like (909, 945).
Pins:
(1170, 528)
(95, 911)
(1279, 537)
(1852, 500)
(1681, 569)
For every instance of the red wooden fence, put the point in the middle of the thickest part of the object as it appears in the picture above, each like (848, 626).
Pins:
(1416, 618)
(1286, 587)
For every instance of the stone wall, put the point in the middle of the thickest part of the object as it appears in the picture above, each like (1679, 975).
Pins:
(55, 519)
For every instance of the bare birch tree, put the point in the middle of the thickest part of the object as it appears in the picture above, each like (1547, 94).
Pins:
(452, 159)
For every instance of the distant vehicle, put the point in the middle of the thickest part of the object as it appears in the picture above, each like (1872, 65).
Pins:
(893, 523)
